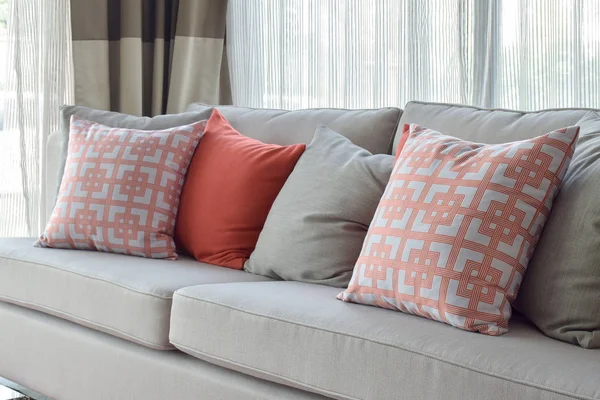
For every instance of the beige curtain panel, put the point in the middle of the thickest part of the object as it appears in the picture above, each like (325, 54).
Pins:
(149, 57)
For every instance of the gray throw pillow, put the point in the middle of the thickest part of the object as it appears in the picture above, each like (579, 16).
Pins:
(560, 292)
(317, 224)
(118, 120)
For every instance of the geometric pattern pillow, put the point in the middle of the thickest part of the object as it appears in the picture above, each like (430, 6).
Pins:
(457, 225)
(120, 189)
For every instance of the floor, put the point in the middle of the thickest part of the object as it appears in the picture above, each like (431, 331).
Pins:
(9, 394)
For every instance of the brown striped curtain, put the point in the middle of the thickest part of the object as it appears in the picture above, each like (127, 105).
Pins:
(149, 57)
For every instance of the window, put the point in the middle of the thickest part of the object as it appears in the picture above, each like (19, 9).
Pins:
(35, 79)
(3, 56)
(522, 54)
(7, 141)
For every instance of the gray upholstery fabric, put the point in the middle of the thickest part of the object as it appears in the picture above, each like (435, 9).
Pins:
(125, 296)
(299, 334)
(68, 362)
(485, 125)
(560, 292)
(117, 120)
(371, 129)
(318, 222)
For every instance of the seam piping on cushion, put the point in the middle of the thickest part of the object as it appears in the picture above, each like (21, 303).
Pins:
(244, 366)
(455, 105)
(438, 358)
(83, 322)
(89, 277)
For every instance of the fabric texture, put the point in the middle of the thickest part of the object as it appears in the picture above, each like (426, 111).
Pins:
(457, 225)
(59, 141)
(308, 339)
(127, 297)
(372, 130)
(566, 260)
(69, 362)
(519, 54)
(36, 77)
(484, 125)
(231, 185)
(149, 57)
(121, 188)
(316, 227)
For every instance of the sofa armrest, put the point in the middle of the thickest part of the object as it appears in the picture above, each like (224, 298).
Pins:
(52, 168)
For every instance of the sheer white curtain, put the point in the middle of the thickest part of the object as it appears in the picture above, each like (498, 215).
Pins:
(524, 54)
(38, 80)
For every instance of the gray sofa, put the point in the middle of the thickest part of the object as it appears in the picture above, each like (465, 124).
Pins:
(90, 325)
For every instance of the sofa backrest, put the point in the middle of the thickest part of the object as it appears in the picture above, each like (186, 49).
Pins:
(486, 125)
(377, 130)
(58, 142)
(371, 129)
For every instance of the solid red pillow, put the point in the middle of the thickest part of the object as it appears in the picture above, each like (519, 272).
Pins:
(229, 189)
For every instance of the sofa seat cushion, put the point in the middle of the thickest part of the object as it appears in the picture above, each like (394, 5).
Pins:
(125, 296)
(298, 334)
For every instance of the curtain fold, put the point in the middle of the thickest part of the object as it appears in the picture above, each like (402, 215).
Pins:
(149, 57)
(521, 54)
(38, 80)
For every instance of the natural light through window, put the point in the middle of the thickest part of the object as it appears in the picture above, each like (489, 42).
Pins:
(3, 54)
(524, 55)
(8, 188)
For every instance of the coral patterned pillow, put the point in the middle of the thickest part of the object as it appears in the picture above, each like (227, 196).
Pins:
(120, 190)
(456, 227)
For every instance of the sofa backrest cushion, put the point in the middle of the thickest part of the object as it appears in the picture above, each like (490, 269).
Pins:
(560, 292)
(58, 143)
(372, 130)
(565, 262)
(486, 125)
